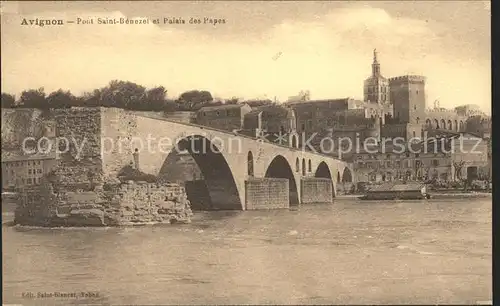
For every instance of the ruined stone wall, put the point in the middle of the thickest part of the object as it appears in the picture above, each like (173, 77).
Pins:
(81, 163)
(316, 190)
(119, 129)
(128, 204)
(267, 193)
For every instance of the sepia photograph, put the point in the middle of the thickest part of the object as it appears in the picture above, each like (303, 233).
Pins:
(246, 152)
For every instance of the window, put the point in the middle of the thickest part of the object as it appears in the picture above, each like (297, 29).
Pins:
(309, 124)
(435, 162)
(29, 171)
(29, 181)
(414, 135)
(217, 113)
(303, 126)
(388, 156)
(414, 107)
(417, 91)
(39, 170)
(398, 164)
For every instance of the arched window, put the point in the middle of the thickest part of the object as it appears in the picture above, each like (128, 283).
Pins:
(303, 167)
(250, 163)
(418, 120)
(297, 165)
(294, 141)
(309, 168)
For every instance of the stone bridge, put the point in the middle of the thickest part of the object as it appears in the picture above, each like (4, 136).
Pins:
(240, 172)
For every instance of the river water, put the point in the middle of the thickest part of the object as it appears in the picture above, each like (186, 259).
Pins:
(351, 252)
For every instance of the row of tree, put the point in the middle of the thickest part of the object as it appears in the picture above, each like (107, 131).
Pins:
(121, 94)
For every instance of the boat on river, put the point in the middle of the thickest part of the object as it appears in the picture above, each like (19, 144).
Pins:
(397, 191)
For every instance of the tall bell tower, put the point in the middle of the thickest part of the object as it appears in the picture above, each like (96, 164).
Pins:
(376, 87)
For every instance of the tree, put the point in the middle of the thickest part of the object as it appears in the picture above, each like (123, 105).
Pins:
(91, 99)
(233, 100)
(122, 94)
(61, 99)
(8, 100)
(155, 99)
(419, 166)
(458, 165)
(256, 103)
(34, 98)
(194, 99)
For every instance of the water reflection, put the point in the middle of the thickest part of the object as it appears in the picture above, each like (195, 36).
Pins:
(349, 252)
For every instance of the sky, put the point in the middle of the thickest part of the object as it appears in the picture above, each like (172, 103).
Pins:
(264, 49)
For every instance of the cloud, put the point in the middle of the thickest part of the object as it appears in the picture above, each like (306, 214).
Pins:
(330, 55)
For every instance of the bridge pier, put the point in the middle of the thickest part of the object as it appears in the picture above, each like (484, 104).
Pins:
(267, 193)
(316, 190)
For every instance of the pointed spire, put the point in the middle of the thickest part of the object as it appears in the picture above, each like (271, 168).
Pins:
(375, 65)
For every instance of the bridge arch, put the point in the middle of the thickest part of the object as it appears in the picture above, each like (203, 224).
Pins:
(323, 171)
(347, 175)
(280, 168)
(218, 190)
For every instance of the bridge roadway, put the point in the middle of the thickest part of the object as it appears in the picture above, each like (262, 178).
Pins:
(234, 160)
